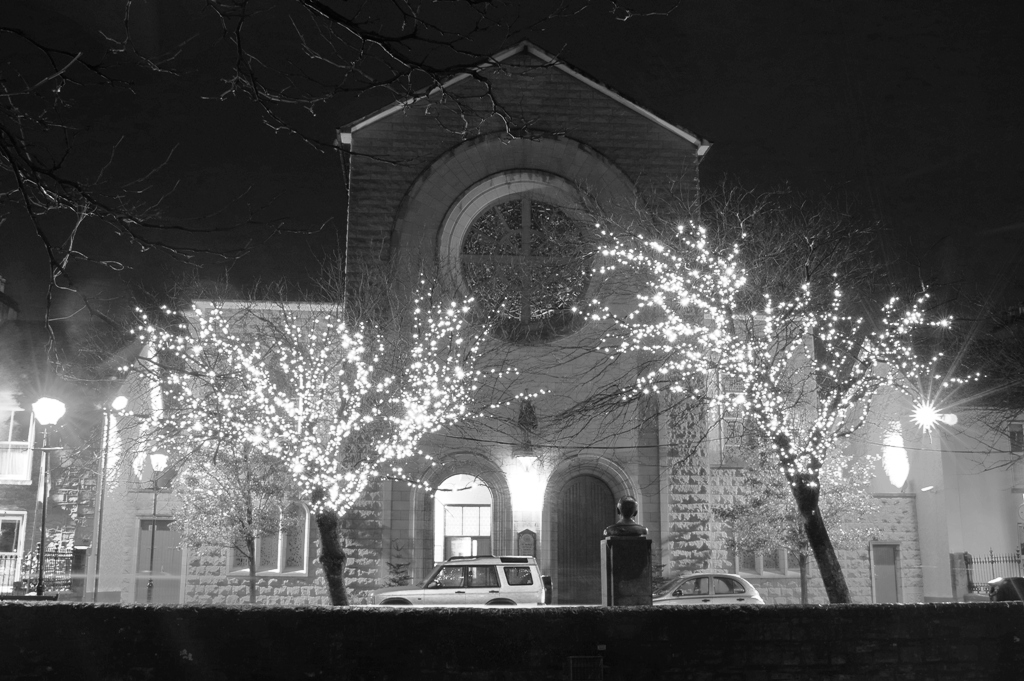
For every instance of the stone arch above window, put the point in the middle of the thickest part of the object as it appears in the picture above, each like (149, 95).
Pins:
(487, 473)
(420, 219)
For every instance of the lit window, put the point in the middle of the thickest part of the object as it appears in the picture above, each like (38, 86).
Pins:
(10, 551)
(1016, 433)
(467, 530)
(767, 563)
(286, 552)
(15, 446)
(737, 430)
(528, 263)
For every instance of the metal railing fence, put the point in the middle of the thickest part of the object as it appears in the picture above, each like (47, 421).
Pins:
(982, 569)
(56, 572)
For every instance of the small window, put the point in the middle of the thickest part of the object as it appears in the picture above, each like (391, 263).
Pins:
(736, 432)
(747, 561)
(724, 585)
(467, 530)
(518, 576)
(448, 577)
(482, 576)
(15, 446)
(697, 586)
(1016, 434)
(9, 532)
(10, 551)
(768, 563)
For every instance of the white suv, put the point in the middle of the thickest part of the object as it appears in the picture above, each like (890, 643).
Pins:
(475, 580)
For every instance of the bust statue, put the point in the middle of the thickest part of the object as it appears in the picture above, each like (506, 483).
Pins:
(626, 525)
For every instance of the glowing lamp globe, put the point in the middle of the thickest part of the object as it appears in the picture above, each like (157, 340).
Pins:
(158, 462)
(925, 416)
(48, 410)
(119, 403)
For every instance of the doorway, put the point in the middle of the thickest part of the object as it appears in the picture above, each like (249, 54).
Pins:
(157, 539)
(462, 518)
(885, 573)
(586, 506)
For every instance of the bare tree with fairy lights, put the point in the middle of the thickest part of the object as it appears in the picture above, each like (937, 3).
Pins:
(802, 368)
(339, 402)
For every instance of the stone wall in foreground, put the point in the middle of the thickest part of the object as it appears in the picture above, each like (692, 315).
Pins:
(966, 642)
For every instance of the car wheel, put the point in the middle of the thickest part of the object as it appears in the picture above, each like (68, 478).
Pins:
(502, 602)
(396, 601)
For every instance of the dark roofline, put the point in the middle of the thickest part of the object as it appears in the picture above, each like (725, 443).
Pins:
(345, 133)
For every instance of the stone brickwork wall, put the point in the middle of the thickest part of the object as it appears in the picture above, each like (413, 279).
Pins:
(894, 522)
(208, 580)
(690, 546)
(208, 583)
(363, 542)
(961, 642)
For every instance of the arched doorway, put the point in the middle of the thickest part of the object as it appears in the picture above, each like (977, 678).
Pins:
(462, 518)
(586, 506)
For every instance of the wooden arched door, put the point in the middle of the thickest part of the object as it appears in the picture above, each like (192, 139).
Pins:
(585, 507)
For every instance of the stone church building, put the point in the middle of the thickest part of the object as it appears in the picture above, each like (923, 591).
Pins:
(494, 180)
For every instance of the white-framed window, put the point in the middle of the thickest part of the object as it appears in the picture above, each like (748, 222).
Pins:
(16, 432)
(462, 518)
(777, 563)
(12, 542)
(736, 433)
(467, 530)
(283, 553)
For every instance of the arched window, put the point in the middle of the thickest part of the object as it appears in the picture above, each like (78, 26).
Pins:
(522, 249)
(284, 552)
(462, 518)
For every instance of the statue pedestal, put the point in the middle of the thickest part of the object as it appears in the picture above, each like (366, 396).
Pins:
(626, 571)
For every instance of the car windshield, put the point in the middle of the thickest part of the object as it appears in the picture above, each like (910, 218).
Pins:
(668, 587)
(430, 577)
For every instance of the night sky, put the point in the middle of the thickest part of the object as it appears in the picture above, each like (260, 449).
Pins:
(910, 110)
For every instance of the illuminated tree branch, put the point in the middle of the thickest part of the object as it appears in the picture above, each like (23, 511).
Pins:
(341, 404)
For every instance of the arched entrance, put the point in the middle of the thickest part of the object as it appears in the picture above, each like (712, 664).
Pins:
(586, 505)
(462, 518)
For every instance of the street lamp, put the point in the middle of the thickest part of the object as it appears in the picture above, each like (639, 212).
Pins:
(926, 415)
(159, 463)
(47, 412)
(116, 405)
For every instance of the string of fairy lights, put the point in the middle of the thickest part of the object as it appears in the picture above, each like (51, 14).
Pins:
(805, 374)
(340, 404)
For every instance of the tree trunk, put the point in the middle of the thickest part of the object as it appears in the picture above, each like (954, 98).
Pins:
(250, 543)
(804, 599)
(332, 556)
(821, 544)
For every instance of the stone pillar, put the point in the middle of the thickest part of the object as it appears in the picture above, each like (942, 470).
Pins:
(626, 571)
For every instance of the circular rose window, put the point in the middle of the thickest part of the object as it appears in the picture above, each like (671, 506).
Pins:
(528, 263)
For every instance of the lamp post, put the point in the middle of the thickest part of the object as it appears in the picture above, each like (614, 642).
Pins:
(47, 412)
(159, 463)
(118, 404)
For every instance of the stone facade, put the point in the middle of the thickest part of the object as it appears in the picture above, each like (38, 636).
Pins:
(419, 173)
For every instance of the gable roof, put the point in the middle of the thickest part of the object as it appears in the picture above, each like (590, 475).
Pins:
(345, 133)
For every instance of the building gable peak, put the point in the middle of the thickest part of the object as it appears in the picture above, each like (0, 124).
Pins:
(524, 47)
